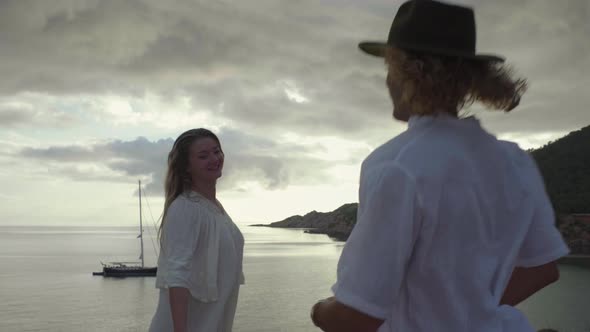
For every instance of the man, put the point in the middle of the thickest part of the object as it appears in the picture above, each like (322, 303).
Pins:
(454, 227)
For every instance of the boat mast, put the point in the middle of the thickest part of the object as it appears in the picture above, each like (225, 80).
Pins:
(140, 224)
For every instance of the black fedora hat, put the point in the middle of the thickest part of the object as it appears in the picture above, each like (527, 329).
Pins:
(432, 27)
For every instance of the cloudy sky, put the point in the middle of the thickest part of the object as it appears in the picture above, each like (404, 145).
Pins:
(93, 94)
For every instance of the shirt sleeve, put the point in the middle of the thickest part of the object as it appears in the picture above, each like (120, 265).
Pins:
(181, 233)
(373, 263)
(543, 243)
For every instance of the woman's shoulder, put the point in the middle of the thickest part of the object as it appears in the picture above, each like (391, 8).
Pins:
(188, 210)
(184, 204)
(180, 202)
(190, 202)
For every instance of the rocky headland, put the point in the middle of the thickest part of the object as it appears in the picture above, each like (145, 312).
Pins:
(337, 224)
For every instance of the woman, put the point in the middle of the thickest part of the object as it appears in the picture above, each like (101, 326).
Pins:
(454, 227)
(200, 262)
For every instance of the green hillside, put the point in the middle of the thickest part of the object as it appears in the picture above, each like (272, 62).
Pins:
(565, 165)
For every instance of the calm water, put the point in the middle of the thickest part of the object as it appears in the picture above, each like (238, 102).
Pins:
(46, 282)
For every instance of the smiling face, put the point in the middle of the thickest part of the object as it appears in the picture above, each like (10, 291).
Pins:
(205, 160)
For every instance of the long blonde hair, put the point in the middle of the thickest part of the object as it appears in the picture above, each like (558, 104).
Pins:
(178, 180)
(435, 82)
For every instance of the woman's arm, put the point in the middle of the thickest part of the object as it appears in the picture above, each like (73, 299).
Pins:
(333, 316)
(526, 281)
(178, 297)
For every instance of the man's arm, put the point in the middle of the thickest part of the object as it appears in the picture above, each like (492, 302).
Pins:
(333, 316)
(526, 281)
(373, 262)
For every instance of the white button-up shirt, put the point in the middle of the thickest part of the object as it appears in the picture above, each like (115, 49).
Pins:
(446, 211)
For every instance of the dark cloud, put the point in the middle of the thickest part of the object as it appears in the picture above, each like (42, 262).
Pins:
(244, 61)
(15, 116)
(112, 46)
(249, 159)
(11, 116)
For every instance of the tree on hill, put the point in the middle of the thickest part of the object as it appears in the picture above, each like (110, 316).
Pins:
(565, 166)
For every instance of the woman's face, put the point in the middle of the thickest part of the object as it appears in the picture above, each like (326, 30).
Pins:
(400, 111)
(205, 160)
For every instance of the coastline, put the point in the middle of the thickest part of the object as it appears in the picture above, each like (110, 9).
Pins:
(337, 224)
(336, 235)
(579, 260)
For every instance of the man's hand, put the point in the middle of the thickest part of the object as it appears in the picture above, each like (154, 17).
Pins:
(332, 316)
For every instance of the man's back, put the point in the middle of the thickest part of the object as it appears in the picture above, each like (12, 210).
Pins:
(475, 201)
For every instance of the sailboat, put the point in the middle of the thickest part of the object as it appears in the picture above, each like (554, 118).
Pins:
(129, 269)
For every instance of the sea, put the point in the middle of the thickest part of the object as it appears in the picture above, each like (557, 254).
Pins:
(46, 282)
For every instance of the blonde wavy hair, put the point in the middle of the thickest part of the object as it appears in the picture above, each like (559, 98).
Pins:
(430, 83)
(178, 180)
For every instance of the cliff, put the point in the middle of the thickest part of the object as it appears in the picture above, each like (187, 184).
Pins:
(336, 224)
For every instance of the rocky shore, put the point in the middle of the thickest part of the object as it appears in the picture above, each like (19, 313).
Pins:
(575, 229)
(337, 224)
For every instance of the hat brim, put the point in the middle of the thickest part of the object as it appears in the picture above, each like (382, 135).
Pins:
(378, 49)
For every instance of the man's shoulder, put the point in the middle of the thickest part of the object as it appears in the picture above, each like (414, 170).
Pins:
(518, 156)
(389, 150)
(408, 150)
(435, 154)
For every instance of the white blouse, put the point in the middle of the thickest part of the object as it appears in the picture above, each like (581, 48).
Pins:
(446, 211)
(202, 251)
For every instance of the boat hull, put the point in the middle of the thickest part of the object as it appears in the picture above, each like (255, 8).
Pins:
(129, 271)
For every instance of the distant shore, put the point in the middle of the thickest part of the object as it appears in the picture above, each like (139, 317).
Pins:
(337, 224)
(335, 234)
(576, 260)
(581, 260)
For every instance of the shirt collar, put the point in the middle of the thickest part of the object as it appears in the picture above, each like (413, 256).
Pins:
(418, 120)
